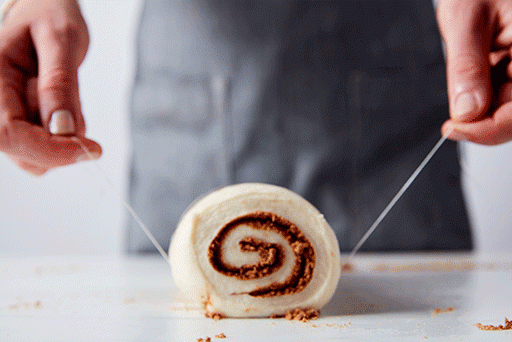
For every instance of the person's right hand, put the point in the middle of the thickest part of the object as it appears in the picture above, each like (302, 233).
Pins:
(42, 44)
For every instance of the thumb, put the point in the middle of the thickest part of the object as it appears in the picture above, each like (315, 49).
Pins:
(60, 51)
(467, 34)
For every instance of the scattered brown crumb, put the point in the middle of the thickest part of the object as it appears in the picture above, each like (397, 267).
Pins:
(221, 335)
(507, 326)
(438, 311)
(303, 315)
(25, 306)
(347, 267)
(204, 340)
(214, 315)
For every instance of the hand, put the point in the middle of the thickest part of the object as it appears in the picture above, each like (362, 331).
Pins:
(478, 38)
(42, 44)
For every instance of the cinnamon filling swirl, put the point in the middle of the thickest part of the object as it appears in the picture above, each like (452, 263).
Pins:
(271, 255)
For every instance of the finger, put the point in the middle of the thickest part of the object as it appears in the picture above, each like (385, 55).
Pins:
(11, 107)
(60, 46)
(504, 94)
(30, 168)
(31, 102)
(489, 131)
(466, 31)
(34, 145)
(496, 57)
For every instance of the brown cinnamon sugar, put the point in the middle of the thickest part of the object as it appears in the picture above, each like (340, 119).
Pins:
(303, 315)
(25, 305)
(221, 335)
(207, 339)
(438, 311)
(507, 326)
(272, 255)
(214, 315)
(347, 267)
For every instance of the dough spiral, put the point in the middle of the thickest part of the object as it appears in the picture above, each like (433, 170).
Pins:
(253, 250)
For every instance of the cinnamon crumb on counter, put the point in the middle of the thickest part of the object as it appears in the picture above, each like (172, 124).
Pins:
(303, 315)
(204, 340)
(214, 315)
(25, 306)
(347, 267)
(221, 335)
(507, 326)
(438, 311)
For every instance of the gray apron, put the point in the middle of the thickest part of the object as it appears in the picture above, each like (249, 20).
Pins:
(338, 101)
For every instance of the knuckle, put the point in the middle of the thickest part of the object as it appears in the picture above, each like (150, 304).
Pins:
(57, 80)
(468, 65)
(66, 31)
(69, 36)
(73, 30)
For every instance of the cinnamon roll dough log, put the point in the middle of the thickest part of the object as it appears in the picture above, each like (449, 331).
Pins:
(255, 250)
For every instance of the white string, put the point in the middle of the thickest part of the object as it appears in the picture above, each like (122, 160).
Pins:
(400, 193)
(128, 206)
(356, 248)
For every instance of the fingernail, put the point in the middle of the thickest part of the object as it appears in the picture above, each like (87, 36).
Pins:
(466, 104)
(62, 123)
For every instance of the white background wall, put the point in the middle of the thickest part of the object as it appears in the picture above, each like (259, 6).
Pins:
(71, 211)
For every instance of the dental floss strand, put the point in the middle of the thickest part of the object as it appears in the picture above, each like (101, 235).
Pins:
(128, 206)
(400, 193)
(356, 248)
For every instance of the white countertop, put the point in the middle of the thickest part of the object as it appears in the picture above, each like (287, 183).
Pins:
(386, 298)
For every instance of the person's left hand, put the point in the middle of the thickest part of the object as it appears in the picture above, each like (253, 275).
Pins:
(478, 38)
